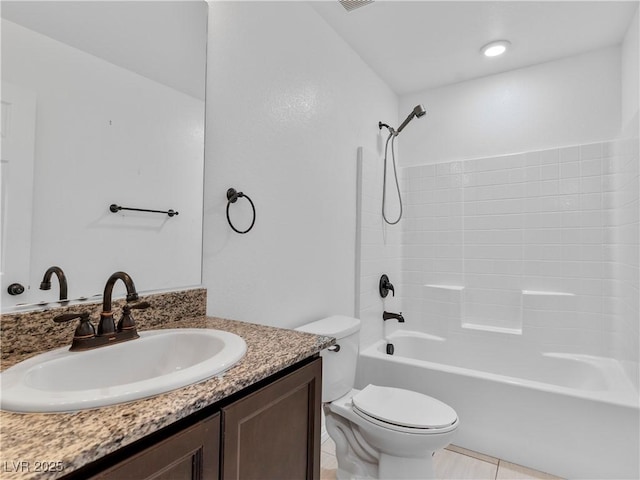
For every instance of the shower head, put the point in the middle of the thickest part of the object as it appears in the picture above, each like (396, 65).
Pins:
(418, 111)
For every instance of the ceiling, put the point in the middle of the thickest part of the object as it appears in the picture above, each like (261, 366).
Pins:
(417, 45)
(161, 40)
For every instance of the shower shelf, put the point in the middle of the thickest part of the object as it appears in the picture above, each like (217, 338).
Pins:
(542, 293)
(492, 328)
(456, 288)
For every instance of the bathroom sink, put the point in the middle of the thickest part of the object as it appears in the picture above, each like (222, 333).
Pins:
(157, 362)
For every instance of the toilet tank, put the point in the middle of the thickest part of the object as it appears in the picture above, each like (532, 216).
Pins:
(338, 364)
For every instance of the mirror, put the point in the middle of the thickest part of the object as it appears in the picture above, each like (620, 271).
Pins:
(102, 103)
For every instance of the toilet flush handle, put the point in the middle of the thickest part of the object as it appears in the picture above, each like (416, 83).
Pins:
(334, 348)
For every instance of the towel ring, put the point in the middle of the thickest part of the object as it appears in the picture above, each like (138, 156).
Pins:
(232, 197)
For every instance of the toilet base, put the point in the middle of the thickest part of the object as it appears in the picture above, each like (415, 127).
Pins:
(358, 460)
(394, 468)
(405, 468)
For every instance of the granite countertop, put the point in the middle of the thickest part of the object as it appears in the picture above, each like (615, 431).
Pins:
(76, 439)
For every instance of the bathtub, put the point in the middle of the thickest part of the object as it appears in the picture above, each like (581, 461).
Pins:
(575, 416)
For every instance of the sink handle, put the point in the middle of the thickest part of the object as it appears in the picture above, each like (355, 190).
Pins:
(127, 322)
(67, 317)
(85, 328)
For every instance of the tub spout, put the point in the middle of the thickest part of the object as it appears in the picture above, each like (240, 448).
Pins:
(393, 316)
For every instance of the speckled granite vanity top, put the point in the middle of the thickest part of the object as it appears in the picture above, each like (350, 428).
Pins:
(76, 439)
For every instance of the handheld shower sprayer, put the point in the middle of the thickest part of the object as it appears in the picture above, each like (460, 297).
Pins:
(418, 112)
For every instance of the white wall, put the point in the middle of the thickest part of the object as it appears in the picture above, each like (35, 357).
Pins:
(288, 103)
(571, 101)
(107, 135)
(630, 73)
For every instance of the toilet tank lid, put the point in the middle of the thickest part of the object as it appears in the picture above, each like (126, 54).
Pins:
(338, 326)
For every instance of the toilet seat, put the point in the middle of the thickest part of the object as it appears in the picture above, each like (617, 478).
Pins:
(404, 410)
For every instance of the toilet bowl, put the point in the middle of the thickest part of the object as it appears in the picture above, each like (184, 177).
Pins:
(379, 432)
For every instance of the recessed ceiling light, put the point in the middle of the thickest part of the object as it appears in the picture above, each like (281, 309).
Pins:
(496, 48)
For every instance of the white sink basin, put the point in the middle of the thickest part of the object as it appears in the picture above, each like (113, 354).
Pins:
(157, 362)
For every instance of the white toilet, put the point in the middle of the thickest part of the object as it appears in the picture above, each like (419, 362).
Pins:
(379, 432)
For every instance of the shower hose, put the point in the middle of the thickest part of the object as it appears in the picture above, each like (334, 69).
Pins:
(391, 138)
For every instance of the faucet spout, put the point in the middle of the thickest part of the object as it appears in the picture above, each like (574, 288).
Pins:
(86, 337)
(62, 281)
(393, 316)
(107, 325)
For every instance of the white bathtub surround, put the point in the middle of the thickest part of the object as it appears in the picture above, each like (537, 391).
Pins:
(377, 245)
(512, 244)
(622, 234)
(444, 302)
(573, 415)
(446, 305)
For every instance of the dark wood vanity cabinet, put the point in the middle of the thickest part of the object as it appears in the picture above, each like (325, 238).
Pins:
(192, 454)
(270, 431)
(274, 433)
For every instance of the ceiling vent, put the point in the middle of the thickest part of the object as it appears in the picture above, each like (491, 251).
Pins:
(350, 5)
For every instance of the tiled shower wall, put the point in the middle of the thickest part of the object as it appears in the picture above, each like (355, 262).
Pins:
(377, 247)
(622, 235)
(518, 245)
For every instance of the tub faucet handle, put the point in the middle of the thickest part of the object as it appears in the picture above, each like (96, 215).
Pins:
(384, 286)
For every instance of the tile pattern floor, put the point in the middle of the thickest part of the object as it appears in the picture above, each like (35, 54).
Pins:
(452, 463)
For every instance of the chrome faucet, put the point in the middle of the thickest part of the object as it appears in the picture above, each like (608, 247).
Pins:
(85, 336)
(393, 316)
(62, 281)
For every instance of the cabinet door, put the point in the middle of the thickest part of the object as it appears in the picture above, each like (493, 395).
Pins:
(274, 433)
(192, 454)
